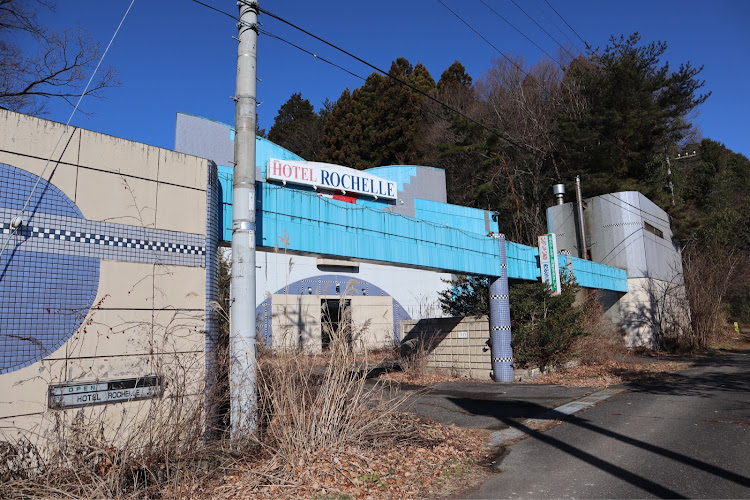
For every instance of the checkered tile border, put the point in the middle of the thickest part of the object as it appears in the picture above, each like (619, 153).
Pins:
(501, 328)
(620, 224)
(502, 360)
(115, 241)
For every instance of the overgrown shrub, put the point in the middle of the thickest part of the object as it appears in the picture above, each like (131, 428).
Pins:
(544, 326)
(713, 275)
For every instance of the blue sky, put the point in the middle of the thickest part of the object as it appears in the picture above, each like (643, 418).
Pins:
(176, 55)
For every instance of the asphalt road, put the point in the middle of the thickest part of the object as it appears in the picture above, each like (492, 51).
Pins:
(686, 437)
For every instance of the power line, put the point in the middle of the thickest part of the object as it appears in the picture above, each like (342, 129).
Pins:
(521, 33)
(269, 34)
(620, 204)
(541, 28)
(14, 230)
(514, 63)
(217, 10)
(400, 81)
(559, 30)
(568, 25)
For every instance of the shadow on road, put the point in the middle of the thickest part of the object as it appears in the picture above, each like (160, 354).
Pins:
(700, 384)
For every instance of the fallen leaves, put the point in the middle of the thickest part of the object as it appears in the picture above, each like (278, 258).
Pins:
(437, 461)
(609, 373)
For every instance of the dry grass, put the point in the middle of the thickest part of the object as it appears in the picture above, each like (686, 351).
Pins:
(323, 433)
(433, 460)
(422, 378)
(610, 372)
(141, 451)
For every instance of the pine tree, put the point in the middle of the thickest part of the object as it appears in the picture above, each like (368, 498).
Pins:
(297, 127)
(635, 107)
(379, 123)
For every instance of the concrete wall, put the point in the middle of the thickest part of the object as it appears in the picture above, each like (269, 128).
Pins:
(402, 293)
(107, 277)
(454, 346)
(628, 231)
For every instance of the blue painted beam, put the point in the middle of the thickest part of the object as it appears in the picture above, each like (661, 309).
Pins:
(441, 237)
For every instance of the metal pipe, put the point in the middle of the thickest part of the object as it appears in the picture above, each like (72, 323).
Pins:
(243, 360)
(582, 233)
(559, 191)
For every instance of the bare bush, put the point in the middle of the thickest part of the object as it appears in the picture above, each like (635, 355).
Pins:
(710, 273)
(415, 354)
(138, 449)
(602, 341)
(307, 408)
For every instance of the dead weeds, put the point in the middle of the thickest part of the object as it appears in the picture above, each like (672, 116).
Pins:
(611, 372)
(434, 460)
(425, 379)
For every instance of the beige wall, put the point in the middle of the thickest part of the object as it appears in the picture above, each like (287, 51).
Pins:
(149, 316)
(454, 346)
(296, 321)
(373, 320)
(651, 308)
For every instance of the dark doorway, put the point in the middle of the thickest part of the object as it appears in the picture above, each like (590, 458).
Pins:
(334, 321)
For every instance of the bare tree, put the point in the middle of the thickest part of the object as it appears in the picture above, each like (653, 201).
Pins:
(59, 67)
(525, 105)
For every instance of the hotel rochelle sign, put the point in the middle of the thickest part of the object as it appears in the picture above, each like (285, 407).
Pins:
(77, 394)
(328, 176)
(548, 262)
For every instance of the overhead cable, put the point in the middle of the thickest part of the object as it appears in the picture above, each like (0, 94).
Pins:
(521, 33)
(15, 227)
(385, 73)
(541, 28)
(316, 56)
(518, 66)
(568, 25)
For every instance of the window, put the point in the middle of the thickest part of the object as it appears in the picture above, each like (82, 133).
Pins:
(653, 230)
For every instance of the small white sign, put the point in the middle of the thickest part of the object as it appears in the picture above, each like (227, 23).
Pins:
(548, 263)
(74, 395)
(462, 335)
(65, 390)
(87, 398)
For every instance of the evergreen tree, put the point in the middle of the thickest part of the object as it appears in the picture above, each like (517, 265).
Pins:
(297, 127)
(713, 194)
(380, 122)
(635, 108)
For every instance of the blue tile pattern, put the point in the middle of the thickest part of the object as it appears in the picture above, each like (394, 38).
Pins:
(101, 239)
(49, 270)
(104, 240)
(44, 297)
(213, 201)
(46, 198)
(500, 326)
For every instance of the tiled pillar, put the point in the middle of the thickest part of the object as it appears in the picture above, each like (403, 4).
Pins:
(502, 353)
(213, 363)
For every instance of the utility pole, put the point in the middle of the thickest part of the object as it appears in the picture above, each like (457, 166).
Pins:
(243, 358)
(669, 174)
(669, 168)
